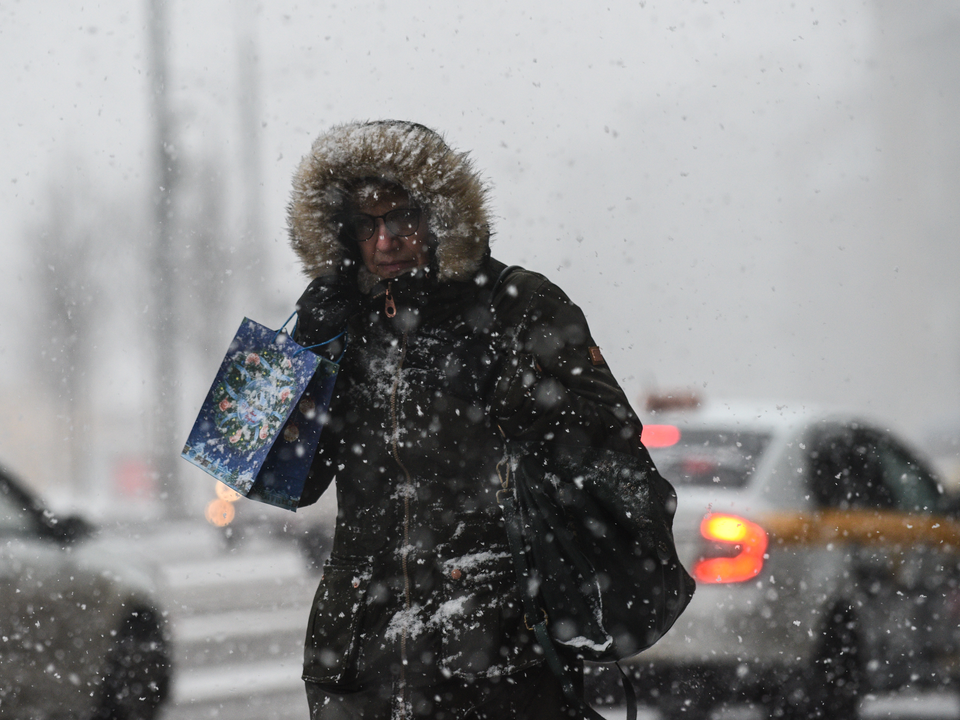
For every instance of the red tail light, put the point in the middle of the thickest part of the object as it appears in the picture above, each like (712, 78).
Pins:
(655, 436)
(737, 552)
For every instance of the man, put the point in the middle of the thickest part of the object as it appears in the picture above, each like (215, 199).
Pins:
(418, 613)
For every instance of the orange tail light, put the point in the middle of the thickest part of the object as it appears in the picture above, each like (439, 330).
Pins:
(739, 549)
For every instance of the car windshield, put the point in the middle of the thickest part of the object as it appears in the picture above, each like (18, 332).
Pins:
(710, 458)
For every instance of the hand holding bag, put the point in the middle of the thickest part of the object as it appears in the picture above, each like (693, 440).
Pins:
(260, 423)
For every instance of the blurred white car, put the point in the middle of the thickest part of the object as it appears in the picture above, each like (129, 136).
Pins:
(80, 636)
(826, 558)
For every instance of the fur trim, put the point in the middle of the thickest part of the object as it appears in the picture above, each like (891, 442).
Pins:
(442, 181)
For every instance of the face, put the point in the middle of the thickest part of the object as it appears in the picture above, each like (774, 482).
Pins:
(385, 254)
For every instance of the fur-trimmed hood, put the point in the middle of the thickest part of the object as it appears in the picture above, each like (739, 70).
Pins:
(442, 181)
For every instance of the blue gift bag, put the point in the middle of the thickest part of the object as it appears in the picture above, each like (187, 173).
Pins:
(260, 424)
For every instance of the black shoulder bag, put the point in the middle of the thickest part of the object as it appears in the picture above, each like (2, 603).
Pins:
(591, 534)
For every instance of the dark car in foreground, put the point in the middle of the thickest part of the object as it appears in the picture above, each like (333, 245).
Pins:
(81, 635)
(826, 557)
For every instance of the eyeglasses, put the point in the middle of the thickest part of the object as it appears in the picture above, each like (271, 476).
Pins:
(400, 222)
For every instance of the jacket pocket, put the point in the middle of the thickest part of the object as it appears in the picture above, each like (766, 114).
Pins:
(332, 643)
(482, 630)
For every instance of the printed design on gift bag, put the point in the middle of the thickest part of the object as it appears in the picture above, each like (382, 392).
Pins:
(254, 398)
(240, 435)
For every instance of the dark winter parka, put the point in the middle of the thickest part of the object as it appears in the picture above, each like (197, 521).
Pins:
(419, 585)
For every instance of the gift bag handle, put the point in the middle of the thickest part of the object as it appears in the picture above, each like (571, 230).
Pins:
(311, 347)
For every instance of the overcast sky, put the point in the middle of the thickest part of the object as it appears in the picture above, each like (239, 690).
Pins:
(754, 199)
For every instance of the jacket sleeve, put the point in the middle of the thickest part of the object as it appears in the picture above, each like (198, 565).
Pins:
(322, 314)
(553, 384)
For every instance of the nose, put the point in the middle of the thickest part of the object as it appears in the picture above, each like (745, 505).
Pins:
(385, 240)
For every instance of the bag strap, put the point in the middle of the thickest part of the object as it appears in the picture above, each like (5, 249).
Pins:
(504, 274)
(343, 335)
(343, 352)
(534, 616)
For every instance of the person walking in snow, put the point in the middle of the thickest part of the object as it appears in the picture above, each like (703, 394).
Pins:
(417, 614)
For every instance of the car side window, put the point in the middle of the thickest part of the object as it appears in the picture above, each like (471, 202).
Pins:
(846, 470)
(912, 487)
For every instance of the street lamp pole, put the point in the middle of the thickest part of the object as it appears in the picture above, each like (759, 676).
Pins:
(165, 405)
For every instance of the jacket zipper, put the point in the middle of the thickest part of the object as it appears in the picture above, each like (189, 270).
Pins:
(405, 550)
(389, 306)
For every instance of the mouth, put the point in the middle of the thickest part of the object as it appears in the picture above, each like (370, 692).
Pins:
(395, 267)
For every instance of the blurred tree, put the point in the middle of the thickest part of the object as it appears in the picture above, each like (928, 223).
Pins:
(163, 270)
(68, 263)
(91, 259)
(204, 261)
